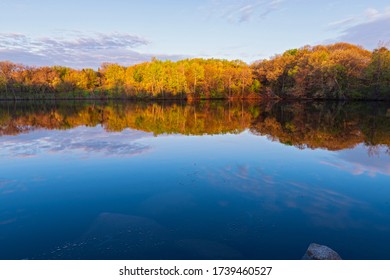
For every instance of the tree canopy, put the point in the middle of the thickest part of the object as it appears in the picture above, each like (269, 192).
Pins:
(337, 71)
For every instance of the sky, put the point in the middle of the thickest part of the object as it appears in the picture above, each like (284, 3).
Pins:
(87, 33)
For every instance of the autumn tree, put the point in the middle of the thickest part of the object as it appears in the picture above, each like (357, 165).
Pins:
(7, 70)
(378, 72)
(113, 77)
(336, 71)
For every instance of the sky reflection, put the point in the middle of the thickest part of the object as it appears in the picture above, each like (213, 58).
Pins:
(83, 140)
(74, 193)
(362, 160)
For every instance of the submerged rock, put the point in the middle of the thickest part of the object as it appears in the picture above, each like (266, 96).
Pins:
(116, 236)
(320, 252)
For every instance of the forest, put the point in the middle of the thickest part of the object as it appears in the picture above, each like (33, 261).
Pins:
(326, 125)
(338, 71)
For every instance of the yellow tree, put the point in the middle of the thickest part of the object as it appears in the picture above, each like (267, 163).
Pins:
(114, 77)
(194, 77)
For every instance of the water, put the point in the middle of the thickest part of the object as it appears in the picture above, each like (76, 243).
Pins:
(213, 180)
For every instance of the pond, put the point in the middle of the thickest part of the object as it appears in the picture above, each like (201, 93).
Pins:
(209, 180)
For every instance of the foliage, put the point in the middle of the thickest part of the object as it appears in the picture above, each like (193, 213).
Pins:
(337, 71)
(191, 79)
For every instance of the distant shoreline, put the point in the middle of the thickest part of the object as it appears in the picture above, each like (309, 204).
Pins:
(156, 99)
(339, 71)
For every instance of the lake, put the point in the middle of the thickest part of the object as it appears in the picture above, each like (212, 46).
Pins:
(208, 180)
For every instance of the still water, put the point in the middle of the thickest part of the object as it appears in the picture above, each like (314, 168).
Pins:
(212, 180)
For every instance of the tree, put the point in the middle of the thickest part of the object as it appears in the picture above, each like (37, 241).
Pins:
(113, 77)
(7, 69)
(378, 72)
(338, 71)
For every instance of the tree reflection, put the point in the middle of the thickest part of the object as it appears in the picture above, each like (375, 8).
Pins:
(327, 125)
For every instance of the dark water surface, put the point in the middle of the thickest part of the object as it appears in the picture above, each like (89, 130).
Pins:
(213, 180)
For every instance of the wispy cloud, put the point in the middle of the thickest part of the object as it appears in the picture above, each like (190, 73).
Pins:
(343, 22)
(75, 49)
(368, 29)
(243, 10)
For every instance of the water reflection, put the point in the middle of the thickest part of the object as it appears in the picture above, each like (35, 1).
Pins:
(328, 125)
(88, 141)
(326, 207)
(113, 234)
(371, 160)
(220, 180)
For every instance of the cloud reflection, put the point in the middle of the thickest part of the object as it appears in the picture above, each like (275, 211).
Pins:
(84, 141)
(359, 161)
(322, 205)
(9, 186)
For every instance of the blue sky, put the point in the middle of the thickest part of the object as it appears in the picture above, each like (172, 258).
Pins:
(86, 33)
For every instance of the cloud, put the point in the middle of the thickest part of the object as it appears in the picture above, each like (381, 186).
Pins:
(368, 30)
(343, 22)
(99, 41)
(244, 10)
(75, 49)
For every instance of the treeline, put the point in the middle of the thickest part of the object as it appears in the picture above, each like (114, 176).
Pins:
(185, 79)
(326, 125)
(338, 71)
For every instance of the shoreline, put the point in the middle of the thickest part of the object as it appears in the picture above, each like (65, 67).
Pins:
(157, 99)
